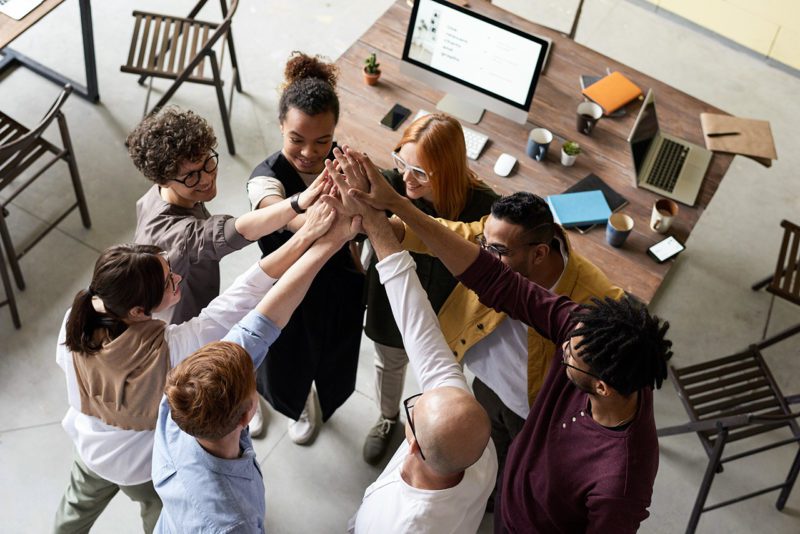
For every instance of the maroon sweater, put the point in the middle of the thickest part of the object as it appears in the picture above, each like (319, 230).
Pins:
(565, 472)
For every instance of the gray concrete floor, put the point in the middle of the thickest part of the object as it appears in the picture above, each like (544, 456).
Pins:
(315, 489)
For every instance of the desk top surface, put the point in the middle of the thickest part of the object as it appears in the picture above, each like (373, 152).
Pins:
(606, 152)
(10, 28)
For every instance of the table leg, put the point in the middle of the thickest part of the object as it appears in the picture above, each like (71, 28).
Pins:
(11, 58)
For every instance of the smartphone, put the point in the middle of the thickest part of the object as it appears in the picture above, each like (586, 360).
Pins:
(395, 116)
(666, 249)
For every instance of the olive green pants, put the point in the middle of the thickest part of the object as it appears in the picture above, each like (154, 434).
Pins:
(88, 495)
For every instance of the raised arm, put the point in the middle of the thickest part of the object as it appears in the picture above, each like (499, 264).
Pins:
(277, 214)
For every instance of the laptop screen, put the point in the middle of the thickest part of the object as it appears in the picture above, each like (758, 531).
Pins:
(644, 131)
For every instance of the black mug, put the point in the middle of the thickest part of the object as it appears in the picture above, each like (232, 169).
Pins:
(588, 115)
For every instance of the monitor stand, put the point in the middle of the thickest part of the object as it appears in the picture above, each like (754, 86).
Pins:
(460, 109)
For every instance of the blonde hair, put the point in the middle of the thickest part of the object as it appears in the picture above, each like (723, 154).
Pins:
(442, 153)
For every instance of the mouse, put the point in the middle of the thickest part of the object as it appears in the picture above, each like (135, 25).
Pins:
(505, 164)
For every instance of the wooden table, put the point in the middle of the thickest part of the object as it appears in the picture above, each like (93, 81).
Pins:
(10, 29)
(606, 152)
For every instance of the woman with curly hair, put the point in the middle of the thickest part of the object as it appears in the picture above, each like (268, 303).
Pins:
(321, 342)
(431, 169)
(175, 149)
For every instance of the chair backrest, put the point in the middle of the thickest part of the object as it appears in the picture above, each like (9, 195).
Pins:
(786, 281)
(17, 143)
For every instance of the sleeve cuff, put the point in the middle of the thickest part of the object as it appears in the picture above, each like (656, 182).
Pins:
(232, 236)
(394, 265)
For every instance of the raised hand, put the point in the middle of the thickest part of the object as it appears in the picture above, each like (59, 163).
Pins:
(343, 229)
(320, 186)
(381, 195)
(347, 204)
(319, 219)
(351, 168)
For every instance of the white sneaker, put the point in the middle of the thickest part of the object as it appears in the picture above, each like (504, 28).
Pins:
(302, 431)
(258, 427)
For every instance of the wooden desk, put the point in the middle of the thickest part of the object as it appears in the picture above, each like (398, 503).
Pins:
(605, 153)
(10, 29)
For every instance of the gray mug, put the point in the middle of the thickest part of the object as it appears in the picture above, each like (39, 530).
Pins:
(538, 143)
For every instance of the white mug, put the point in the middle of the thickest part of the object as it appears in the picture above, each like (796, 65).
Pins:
(664, 212)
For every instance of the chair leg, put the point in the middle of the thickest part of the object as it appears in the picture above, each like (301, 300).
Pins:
(147, 98)
(769, 315)
(790, 480)
(11, 252)
(73, 171)
(762, 283)
(10, 299)
(708, 478)
(234, 65)
(226, 124)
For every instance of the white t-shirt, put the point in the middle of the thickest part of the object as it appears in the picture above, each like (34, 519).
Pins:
(391, 505)
(124, 456)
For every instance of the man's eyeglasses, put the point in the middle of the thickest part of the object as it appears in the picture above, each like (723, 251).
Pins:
(191, 179)
(567, 354)
(498, 251)
(419, 173)
(408, 404)
(170, 281)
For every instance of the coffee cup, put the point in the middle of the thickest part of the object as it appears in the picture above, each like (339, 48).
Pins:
(588, 115)
(538, 143)
(664, 212)
(618, 229)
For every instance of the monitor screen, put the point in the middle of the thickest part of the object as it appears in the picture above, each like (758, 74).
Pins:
(644, 131)
(475, 51)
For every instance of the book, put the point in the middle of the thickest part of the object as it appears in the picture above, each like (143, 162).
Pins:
(612, 92)
(582, 208)
(737, 135)
(593, 182)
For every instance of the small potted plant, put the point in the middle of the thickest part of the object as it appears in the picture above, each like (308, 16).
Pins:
(569, 153)
(372, 70)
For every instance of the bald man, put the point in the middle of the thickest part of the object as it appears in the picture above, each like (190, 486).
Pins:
(439, 480)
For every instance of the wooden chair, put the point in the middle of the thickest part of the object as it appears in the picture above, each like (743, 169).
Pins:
(732, 399)
(785, 282)
(19, 149)
(9, 301)
(182, 49)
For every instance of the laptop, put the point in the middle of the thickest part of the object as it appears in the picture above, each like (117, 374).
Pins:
(665, 164)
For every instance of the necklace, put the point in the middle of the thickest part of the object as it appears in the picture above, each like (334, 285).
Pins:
(623, 421)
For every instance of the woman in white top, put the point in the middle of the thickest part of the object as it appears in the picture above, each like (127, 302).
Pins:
(116, 357)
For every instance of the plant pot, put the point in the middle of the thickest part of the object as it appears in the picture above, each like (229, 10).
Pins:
(567, 160)
(371, 79)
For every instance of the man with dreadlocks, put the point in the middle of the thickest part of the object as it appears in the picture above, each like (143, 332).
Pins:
(587, 456)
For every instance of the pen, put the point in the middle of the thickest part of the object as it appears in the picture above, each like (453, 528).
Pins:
(722, 134)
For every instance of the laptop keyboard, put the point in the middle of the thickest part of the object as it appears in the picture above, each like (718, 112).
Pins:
(667, 166)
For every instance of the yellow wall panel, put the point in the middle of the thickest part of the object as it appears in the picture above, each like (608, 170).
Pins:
(728, 20)
(787, 48)
(785, 13)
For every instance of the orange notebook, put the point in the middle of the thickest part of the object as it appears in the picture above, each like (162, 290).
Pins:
(612, 92)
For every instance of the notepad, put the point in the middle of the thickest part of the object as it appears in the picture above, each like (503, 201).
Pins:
(578, 209)
(592, 182)
(612, 92)
(737, 135)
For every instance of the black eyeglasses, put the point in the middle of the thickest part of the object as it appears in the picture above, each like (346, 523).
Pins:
(170, 281)
(408, 404)
(191, 179)
(567, 354)
(498, 251)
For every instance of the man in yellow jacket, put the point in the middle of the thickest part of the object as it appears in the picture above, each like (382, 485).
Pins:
(509, 359)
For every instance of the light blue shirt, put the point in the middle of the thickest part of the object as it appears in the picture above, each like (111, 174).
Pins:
(200, 492)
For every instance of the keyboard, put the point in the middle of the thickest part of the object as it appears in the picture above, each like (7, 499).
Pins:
(474, 140)
(667, 166)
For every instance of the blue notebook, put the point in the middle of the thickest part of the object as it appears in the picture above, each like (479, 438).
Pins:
(577, 209)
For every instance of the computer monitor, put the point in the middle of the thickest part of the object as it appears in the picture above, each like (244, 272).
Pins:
(480, 62)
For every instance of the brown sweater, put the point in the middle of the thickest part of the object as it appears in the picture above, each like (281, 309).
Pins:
(122, 384)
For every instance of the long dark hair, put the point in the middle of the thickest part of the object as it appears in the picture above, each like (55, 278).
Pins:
(125, 276)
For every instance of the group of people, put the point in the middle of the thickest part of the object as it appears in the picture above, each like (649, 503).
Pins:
(165, 374)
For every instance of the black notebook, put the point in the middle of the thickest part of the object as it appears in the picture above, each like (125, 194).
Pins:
(593, 182)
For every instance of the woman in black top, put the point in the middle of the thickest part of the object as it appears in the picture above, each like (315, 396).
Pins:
(321, 342)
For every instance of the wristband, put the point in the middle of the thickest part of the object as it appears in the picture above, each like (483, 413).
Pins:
(294, 201)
